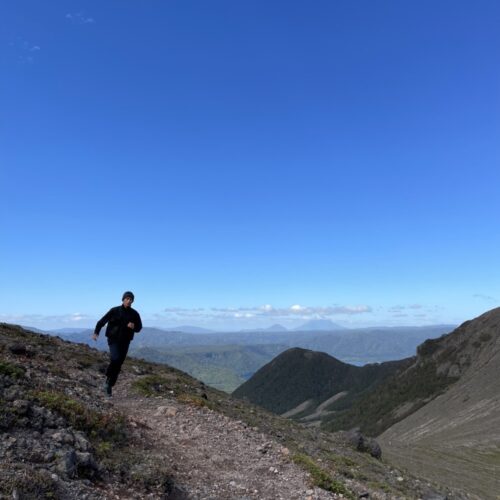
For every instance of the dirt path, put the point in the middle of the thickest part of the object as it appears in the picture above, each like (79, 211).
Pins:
(212, 456)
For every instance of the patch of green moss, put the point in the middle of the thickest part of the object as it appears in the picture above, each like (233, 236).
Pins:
(103, 449)
(146, 365)
(152, 385)
(29, 484)
(341, 460)
(380, 486)
(321, 478)
(12, 371)
(99, 426)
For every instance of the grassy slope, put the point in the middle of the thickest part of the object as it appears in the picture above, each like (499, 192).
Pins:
(298, 375)
(224, 367)
(374, 410)
(438, 365)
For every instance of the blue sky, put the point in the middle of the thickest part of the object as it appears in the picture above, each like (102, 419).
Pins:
(246, 163)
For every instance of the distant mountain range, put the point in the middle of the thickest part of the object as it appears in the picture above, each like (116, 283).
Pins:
(314, 325)
(272, 328)
(317, 325)
(183, 350)
(64, 331)
(188, 329)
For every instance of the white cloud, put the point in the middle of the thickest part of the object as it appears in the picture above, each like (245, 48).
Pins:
(400, 308)
(78, 317)
(487, 298)
(182, 309)
(395, 309)
(266, 311)
(24, 51)
(79, 18)
(43, 321)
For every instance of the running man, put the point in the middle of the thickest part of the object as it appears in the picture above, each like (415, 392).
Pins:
(123, 322)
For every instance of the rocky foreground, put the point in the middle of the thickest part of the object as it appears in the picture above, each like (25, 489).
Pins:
(164, 435)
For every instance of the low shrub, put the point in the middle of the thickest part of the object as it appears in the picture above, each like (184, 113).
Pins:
(152, 385)
(99, 426)
(28, 484)
(321, 478)
(192, 399)
(12, 371)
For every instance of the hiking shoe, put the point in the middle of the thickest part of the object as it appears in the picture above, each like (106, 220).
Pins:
(107, 389)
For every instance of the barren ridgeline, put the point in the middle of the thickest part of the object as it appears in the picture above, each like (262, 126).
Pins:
(455, 438)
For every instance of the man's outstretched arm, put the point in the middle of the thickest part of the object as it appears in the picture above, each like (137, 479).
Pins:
(100, 324)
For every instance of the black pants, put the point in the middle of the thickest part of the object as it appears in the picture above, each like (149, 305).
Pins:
(117, 352)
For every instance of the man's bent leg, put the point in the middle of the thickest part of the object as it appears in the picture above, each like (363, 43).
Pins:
(123, 354)
(118, 352)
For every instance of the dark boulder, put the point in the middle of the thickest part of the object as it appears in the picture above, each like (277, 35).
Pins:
(363, 443)
(18, 349)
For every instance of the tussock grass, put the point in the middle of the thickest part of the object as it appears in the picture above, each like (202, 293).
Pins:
(11, 370)
(152, 385)
(28, 483)
(99, 426)
(321, 478)
(192, 400)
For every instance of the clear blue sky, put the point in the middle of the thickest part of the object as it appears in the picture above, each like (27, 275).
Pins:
(228, 160)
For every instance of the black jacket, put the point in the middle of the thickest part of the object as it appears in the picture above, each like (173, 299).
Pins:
(117, 319)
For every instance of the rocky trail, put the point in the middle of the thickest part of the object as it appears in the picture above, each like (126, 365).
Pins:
(212, 456)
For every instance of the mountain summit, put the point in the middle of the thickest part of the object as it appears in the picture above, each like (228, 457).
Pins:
(319, 325)
(276, 328)
(298, 380)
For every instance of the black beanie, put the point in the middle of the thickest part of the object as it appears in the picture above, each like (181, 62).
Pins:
(128, 294)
